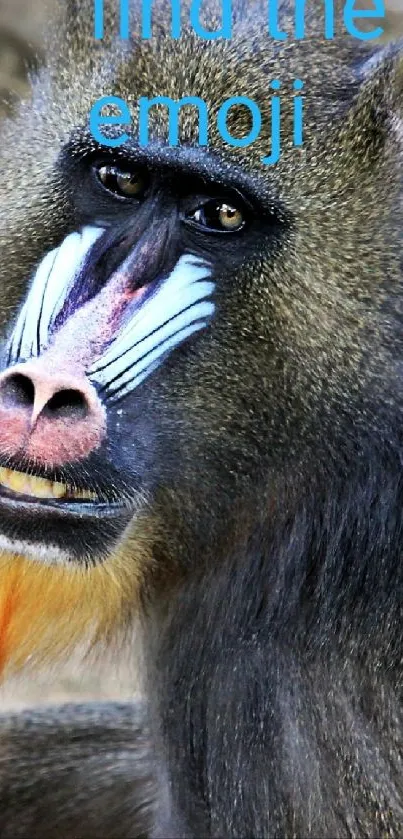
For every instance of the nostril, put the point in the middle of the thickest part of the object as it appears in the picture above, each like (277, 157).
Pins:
(20, 391)
(17, 391)
(69, 404)
(50, 411)
(40, 394)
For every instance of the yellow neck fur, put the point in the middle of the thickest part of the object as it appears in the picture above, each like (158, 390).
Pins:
(46, 610)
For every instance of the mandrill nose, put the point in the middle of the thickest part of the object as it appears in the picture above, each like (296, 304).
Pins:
(49, 412)
(40, 393)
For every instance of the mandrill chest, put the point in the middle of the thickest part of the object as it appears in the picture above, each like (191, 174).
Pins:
(46, 610)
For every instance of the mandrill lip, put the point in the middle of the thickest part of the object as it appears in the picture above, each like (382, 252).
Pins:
(83, 533)
(89, 509)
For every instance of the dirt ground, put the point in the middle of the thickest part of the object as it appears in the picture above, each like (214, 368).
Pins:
(21, 24)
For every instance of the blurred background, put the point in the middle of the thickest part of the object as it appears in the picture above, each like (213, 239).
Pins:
(21, 27)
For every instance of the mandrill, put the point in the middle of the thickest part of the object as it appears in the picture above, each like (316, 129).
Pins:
(201, 432)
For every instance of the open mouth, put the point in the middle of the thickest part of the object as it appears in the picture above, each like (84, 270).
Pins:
(41, 488)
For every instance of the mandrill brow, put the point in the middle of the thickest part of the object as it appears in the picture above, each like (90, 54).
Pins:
(201, 448)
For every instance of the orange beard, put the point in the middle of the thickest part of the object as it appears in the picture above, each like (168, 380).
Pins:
(45, 611)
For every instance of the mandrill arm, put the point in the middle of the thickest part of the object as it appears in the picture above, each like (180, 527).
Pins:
(76, 772)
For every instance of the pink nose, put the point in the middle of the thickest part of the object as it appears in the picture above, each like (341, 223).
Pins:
(49, 414)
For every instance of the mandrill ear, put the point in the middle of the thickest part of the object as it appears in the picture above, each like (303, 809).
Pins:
(393, 69)
(381, 95)
(368, 141)
(383, 76)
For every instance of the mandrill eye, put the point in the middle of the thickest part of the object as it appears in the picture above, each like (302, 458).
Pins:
(122, 182)
(218, 217)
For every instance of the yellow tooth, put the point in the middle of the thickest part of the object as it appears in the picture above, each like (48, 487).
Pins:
(17, 482)
(58, 490)
(83, 494)
(41, 487)
(28, 485)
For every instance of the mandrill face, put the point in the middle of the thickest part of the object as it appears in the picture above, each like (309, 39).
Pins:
(108, 350)
(104, 311)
